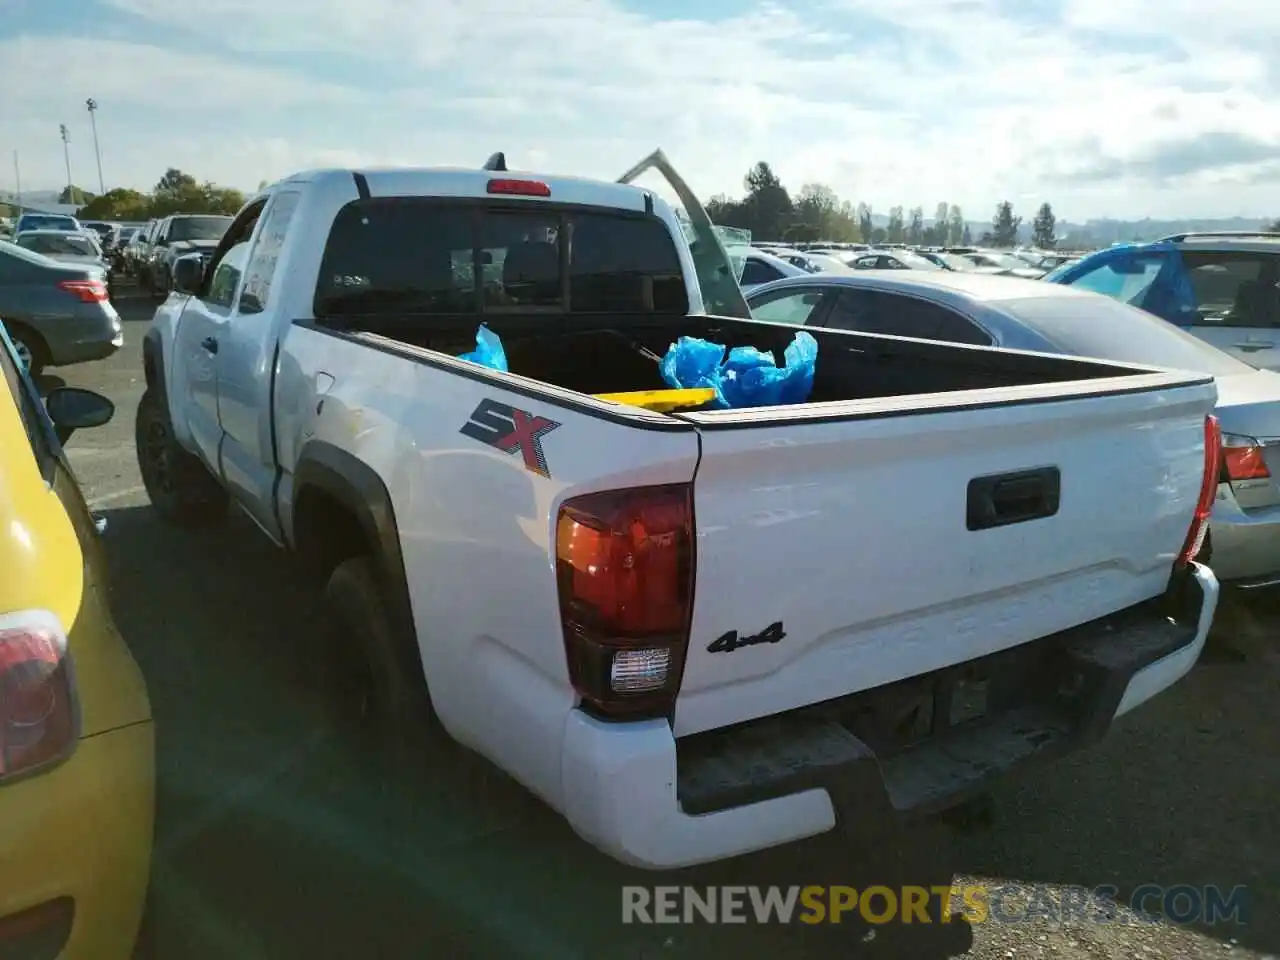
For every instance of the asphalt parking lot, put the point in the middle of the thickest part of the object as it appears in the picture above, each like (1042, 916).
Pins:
(277, 838)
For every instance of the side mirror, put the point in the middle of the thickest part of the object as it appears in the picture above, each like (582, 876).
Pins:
(72, 409)
(188, 274)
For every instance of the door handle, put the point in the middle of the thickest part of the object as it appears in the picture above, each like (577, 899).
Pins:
(1252, 346)
(210, 344)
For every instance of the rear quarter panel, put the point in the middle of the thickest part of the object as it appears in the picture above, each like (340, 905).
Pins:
(476, 525)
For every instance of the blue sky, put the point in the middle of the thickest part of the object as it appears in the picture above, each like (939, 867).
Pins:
(1101, 107)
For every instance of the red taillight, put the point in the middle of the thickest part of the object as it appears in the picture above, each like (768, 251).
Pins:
(90, 291)
(1208, 490)
(624, 568)
(37, 699)
(1243, 458)
(520, 188)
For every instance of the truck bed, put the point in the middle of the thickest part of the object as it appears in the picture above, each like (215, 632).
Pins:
(932, 504)
(608, 355)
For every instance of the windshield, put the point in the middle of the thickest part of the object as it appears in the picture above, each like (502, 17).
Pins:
(1126, 278)
(915, 261)
(424, 256)
(22, 253)
(957, 262)
(826, 264)
(1110, 330)
(198, 228)
(55, 244)
(1005, 260)
(51, 222)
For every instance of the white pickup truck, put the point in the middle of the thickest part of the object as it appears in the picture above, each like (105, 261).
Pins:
(693, 634)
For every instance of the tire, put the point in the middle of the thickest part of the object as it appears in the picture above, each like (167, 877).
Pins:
(181, 489)
(386, 689)
(31, 348)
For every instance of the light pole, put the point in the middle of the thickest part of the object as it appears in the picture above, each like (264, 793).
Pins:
(17, 179)
(66, 155)
(92, 104)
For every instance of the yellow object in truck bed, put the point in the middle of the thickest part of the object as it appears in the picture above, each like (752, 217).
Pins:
(663, 401)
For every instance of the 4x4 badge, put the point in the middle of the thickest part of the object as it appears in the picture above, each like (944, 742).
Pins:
(729, 642)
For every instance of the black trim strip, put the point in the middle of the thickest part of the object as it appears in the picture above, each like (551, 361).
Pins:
(749, 422)
(547, 393)
(362, 184)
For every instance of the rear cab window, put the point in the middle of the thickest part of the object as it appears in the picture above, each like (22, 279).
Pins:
(431, 256)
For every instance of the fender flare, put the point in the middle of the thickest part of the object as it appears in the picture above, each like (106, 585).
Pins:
(357, 486)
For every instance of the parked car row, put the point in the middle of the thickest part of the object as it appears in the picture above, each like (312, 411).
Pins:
(765, 262)
(150, 254)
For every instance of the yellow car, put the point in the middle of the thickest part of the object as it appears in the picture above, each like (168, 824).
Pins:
(77, 750)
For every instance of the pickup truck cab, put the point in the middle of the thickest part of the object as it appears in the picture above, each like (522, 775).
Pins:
(693, 634)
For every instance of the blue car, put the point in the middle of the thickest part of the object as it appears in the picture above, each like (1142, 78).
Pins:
(1221, 287)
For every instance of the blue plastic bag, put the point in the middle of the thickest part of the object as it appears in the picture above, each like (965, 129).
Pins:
(748, 377)
(488, 351)
(692, 363)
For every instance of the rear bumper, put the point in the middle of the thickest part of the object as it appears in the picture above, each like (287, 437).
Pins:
(82, 833)
(1246, 545)
(643, 798)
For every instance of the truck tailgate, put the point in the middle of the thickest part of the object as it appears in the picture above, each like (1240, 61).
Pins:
(842, 554)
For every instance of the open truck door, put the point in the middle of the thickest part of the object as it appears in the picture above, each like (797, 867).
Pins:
(717, 277)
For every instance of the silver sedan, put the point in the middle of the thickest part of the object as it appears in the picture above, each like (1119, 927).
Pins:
(1244, 536)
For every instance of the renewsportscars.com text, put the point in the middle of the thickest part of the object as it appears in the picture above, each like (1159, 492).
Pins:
(974, 903)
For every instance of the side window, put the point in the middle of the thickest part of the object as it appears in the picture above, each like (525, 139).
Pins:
(792, 306)
(34, 419)
(868, 311)
(226, 278)
(757, 271)
(866, 263)
(266, 252)
(1234, 289)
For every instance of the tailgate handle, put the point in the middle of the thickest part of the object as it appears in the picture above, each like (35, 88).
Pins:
(1006, 498)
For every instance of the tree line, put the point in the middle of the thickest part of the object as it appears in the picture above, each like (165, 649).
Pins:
(175, 192)
(769, 211)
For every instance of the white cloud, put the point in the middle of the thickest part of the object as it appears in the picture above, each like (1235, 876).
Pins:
(1100, 112)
